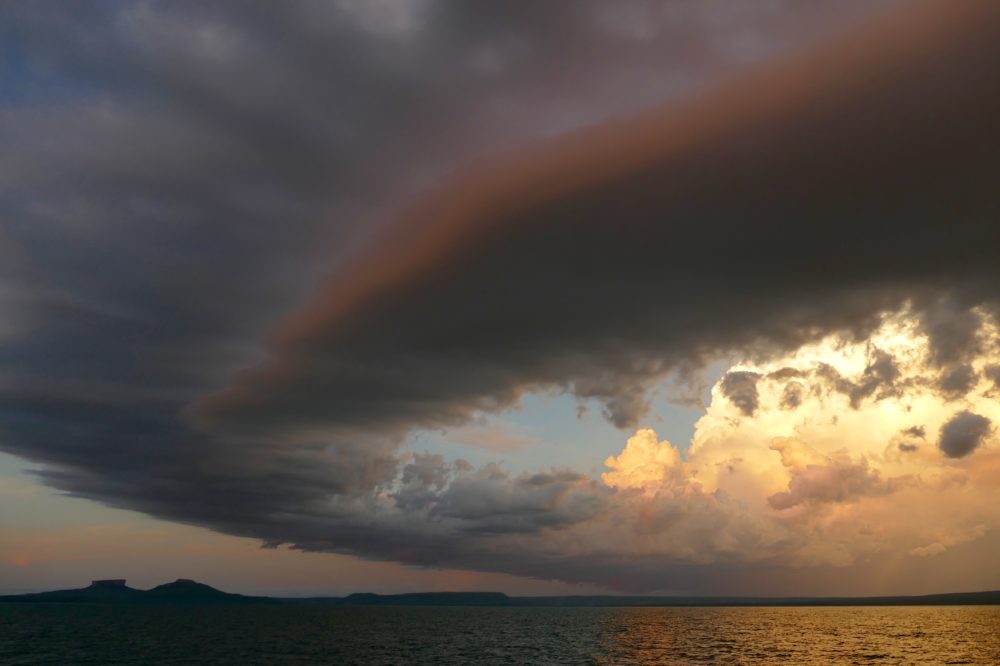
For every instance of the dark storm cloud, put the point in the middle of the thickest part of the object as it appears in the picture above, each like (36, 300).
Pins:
(741, 389)
(605, 257)
(176, 177)
(957, 381)
(791, 396)
(907, 440)
(794, 391)
(877, 381)
(952, 330)
(491, 501)
(963, 433)
(992, 373)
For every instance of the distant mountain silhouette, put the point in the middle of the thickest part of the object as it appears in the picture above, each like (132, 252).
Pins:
(184, 591)
(98, 591)
(115, 591)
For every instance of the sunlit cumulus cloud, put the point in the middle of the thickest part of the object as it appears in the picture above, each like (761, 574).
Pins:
(833, 480)
(412, 215)
(906, 468)
(644, 463)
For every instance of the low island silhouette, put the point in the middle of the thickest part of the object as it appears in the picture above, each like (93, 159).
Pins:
(186, 591)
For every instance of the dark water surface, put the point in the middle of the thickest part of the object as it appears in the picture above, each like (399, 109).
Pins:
(93, 634)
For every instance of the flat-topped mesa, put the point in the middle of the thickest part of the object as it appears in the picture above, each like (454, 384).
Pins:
(110, 582)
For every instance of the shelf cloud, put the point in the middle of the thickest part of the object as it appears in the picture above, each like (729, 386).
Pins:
(257, 248)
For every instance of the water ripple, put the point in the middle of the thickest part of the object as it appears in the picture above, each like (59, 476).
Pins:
(296, 635)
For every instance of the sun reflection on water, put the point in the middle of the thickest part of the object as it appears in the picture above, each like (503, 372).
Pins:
(859, 635)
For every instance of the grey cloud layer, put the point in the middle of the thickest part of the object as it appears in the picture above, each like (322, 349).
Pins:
(177, 177)
(741, 389)
(773, 211)
(963, 433)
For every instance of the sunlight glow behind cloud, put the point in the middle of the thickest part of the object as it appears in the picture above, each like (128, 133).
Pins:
(838, 478)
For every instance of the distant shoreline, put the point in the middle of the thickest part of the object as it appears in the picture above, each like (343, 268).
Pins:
(185, 591)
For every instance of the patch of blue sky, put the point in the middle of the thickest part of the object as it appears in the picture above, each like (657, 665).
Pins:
(550, 430)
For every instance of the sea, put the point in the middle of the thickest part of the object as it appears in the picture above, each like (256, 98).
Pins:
(67, 634)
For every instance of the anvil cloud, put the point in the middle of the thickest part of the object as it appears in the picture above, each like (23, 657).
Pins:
(181, 204)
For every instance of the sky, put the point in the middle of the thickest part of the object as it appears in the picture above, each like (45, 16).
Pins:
(680, 297)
